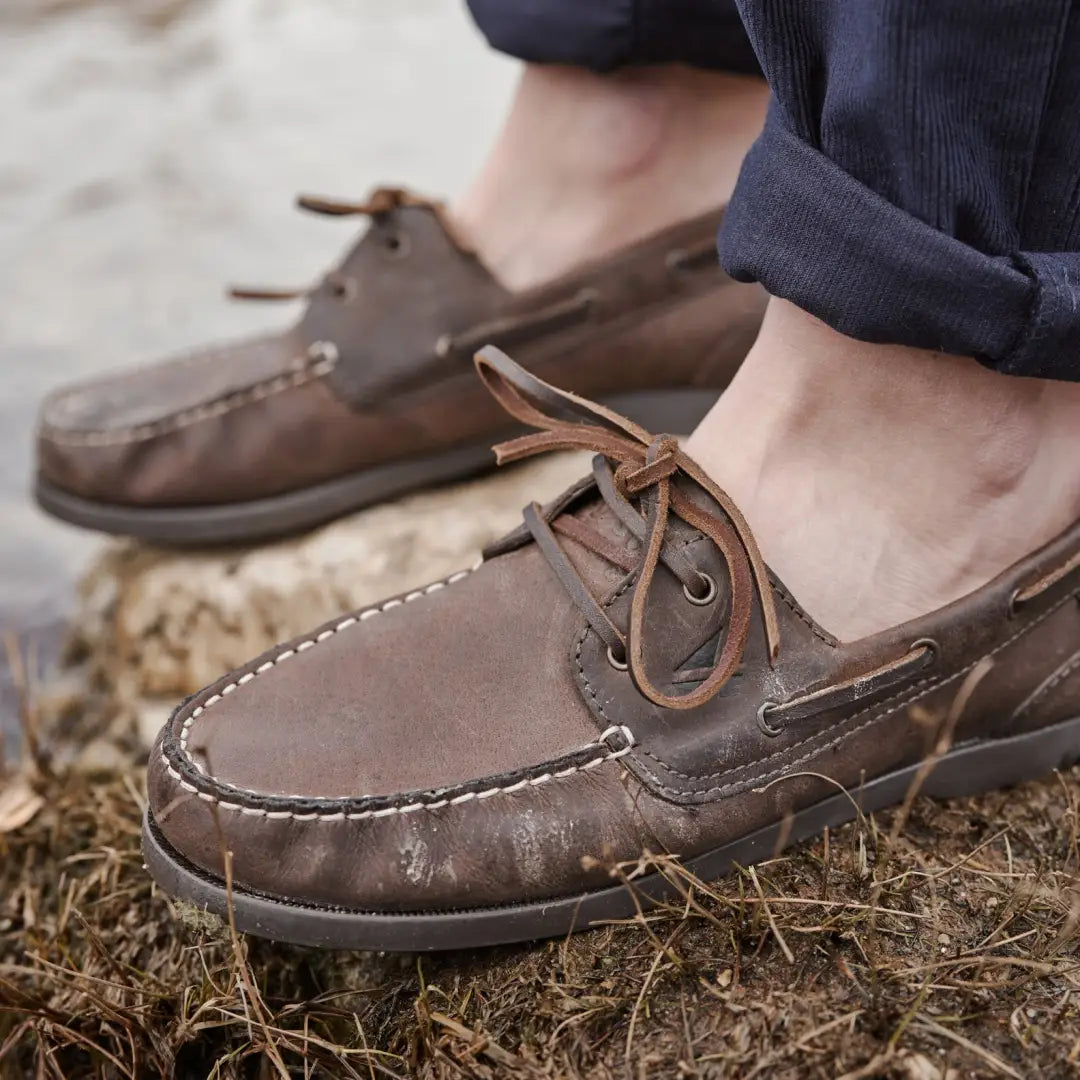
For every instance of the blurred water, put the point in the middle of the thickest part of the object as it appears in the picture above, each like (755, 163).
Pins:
(150, 153)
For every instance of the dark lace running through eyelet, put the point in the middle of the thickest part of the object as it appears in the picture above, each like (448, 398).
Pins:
(710, 592)
(933, 650)
(763, 720)
(618, 738)
(1016, 602)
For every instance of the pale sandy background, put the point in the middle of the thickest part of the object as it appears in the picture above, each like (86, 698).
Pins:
(150, 153)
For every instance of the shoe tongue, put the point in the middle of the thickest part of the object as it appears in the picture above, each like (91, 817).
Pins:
(680, 636)
(598, 573)
(393, 306)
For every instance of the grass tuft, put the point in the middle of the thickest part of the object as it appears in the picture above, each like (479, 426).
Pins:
(935, 941)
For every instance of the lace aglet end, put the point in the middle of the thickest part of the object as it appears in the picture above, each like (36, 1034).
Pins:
(514, 450)
(772, 631)
(772, 644)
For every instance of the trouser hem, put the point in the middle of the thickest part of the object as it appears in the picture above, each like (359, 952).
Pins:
(603, 35)
(813, 234)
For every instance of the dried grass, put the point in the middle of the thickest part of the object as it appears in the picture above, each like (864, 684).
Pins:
(934, 942)
(943, 944)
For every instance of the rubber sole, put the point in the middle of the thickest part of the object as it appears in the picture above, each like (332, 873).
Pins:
(966, 770)
(676, 411)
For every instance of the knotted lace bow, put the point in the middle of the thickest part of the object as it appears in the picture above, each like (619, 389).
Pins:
(645, 468)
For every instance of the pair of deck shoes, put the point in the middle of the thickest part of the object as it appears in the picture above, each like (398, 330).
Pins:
(463, 764)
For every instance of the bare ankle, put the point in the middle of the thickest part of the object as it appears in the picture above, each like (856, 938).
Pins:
(912, 477)
(587, 163)
(827, 393)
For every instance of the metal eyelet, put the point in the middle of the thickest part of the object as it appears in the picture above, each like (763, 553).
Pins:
(1015, 603)
(710, 592)
(762, 719)
(396, 245)
(324, 351)
(675, 259)
(932, 647)
(618, 665)
(344, 289)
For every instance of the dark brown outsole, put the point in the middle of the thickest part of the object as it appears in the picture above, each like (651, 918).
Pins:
(676, 411)
(967, 770)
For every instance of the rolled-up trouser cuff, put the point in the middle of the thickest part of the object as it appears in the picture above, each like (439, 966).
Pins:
(812, 234)
(608, 34)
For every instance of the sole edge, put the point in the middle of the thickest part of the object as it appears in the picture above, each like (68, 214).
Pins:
(967, 770)
(294, 512)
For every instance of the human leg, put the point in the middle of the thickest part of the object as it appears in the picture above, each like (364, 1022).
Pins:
(914, 197)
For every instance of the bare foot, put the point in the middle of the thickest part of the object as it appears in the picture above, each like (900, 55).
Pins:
(587, 163)
(883, 482)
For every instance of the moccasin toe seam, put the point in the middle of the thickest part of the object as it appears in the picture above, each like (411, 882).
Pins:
(178, 759)
(302, 371)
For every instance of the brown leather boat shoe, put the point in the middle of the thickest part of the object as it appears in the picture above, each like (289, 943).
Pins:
(372, 394)
(621, 673)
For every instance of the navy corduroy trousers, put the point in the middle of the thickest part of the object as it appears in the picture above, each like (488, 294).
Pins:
(918, 178)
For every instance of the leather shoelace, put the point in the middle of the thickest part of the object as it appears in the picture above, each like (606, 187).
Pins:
(645, 467)
(381, 201)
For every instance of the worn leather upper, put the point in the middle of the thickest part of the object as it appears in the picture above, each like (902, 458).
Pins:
(465, 744)
(378, 367)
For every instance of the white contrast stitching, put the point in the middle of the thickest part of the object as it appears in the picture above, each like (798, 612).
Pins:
(324, 635)
(1069, 667)
(362, 815)
(209, 411)
(445, 799)
(390, 811)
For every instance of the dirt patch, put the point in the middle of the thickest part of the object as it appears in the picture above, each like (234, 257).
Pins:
(951, 952)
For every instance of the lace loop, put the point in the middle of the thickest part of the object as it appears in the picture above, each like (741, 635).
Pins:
(255, 292)
(645, 466)
(381, 201)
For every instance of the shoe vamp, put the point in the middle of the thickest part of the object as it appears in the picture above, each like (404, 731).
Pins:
(472, 680)
(156, 391)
